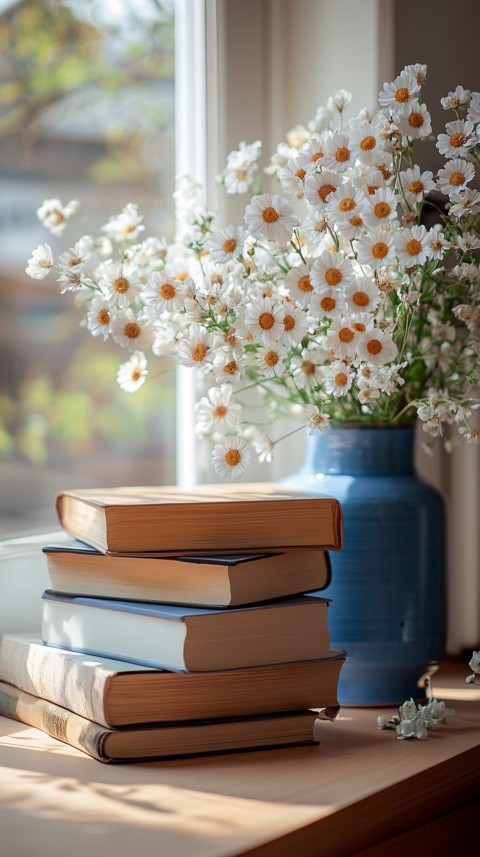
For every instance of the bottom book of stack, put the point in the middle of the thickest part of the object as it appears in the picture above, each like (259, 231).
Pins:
(118, 711)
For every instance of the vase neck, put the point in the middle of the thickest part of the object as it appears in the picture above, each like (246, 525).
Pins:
(362, 451)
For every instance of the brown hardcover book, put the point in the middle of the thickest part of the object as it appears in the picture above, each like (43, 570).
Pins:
(77, 569)
(248, 518)
(117, 693)
(158, 741)
(189, 639)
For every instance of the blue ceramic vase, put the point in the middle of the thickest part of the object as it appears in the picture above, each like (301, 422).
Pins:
(388, 589)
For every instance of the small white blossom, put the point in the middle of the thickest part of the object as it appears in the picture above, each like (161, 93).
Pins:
(132, 374)
(316, 420)
(54, 215)
(40, 263)
(231, 457)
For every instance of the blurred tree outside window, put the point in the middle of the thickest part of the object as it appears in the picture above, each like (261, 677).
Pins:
(87, 113)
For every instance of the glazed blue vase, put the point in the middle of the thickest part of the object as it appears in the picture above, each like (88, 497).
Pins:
(388, 589)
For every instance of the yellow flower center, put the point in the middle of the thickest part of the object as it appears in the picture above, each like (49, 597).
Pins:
(457, 140)
(103, 316)
(333, 276)
(132, 330)
(168, 291)
(359, 327)
(270, 214)
(342, 154)
(229, 245)
(356, 220)
(368, 143)
(346, 204)
(316, 156)
(361, 299)
(380, 250)
(402, 94)
(415, 187)
(198, 352)
(271, 358)
(241, 175)
(230, 368)
(308, 368)
(374, 346)
(289, 322)
(182, 276)
(219, 412)
(384, 171)
(345, 335)
(372, 188)
(456, 179)
(121, 285)
(266, 320)
(300, 174)
(328, 304)
(304, 284)
(381, 209)
(416, 120)
(413, 247)
(73, 261)
(340, 379)
(136, 374)
(324, 191)
(233, 457)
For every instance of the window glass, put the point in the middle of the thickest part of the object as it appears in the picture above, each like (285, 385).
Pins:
(87, 114)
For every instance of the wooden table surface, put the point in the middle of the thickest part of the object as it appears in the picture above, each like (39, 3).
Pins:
(359, 787)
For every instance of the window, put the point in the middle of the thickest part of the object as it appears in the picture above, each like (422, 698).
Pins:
(87, 113)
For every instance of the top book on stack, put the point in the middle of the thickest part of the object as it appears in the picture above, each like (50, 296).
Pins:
(170, 520)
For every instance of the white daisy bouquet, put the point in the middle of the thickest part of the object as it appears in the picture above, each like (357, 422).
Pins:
(350, 294)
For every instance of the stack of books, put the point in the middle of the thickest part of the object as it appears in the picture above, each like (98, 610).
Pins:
(178, 623)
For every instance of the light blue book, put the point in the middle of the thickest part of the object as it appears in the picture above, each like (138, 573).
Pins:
(188, 639)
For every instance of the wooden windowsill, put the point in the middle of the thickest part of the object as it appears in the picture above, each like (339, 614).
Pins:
(360, 788)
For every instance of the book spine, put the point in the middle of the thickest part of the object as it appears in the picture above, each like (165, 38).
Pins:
(55, 676)
(53, 720)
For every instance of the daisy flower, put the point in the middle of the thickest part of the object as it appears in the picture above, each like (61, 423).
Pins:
(270, 217)
(380, 207)
(77, 255)
(99, 317)
(295, 324)
(456, 174)
(414, 121)
(338, 153)
(397, 95)
(131, 331)
(362, 295)
(331, 270)
(365, 140)
(195, 349)
(468, 242)
(412, 246)
(377, 347)
(215, 411)
(125, 226)
(456, 99)
(72, 281)
(307, 368)
(465, 202)
(344, 203)
(121, 281)
(375, 249)
(341, 338)
(165, 293)
(338, 378)
(299, 285)
(292, 178)
(316, 420)
(264, 320)
(226, 367)
(263, 446)
(437, 243)
(40, 263)
(328, 303)
(416, 184)
(458, 139)
(54, 215)
(419, 71)
(473, 114)
(319, 186)
(314, 228)
(312, 155)
(339, 100)
(241, 169)
(362, 321)
(231, 457)
(226, 244)
(271, 359)
(352, 227)
(131, 375)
